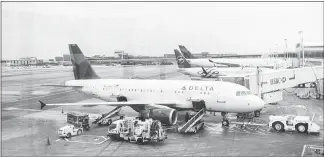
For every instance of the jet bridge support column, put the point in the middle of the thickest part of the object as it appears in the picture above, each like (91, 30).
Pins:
(259, 82)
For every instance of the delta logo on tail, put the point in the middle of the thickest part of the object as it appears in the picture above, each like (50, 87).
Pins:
(180, 60)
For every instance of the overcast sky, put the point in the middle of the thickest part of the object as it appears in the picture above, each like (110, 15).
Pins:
(44, 29)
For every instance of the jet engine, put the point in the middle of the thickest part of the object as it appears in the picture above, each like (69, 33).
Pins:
(165, 116)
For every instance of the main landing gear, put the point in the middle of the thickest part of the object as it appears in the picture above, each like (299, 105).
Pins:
(225, 121)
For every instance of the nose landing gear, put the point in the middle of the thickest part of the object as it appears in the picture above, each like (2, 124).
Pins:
(225, 121)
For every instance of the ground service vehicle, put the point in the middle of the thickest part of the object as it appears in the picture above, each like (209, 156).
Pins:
(78, 120)
(291, 123)
(194, 122)
(108, 118)
(69, 131)
(137, 130)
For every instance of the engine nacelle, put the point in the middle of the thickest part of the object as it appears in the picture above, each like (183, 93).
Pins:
(165, 116)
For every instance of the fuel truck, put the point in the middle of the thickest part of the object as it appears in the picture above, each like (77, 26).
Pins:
(137, 130)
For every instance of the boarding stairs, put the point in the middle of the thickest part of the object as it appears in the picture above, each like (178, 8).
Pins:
(107, 115)
(191, 122)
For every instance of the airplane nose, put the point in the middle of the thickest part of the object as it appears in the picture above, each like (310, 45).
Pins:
(258, 103)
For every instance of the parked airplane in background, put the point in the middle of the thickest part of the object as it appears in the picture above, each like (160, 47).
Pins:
(159, 99)
(214, 72)
(234, 62)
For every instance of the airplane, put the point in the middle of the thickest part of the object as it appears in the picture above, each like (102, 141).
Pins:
(214, 72)
(158, 99)
(232, 62)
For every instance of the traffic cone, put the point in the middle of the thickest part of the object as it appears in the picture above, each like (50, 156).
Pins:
(48, 141)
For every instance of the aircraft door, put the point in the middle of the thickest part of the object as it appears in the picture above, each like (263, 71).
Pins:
(198, 105)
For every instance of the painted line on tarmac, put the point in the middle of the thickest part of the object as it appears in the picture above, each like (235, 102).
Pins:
(14, 108)
(38, 97)
(232, 139)
(304, 148)
(105, 139)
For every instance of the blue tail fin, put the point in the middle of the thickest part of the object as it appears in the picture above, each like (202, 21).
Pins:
(186, 53)
(182, 62)
(81, 66)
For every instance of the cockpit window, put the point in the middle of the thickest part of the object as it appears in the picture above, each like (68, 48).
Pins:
(238, 93)
(248, 93)
(243, 93)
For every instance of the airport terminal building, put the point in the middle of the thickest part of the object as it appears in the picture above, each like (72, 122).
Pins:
(311, 50)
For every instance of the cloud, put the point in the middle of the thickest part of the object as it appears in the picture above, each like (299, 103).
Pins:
(44, 29)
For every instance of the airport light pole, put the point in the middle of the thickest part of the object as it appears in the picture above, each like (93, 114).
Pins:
(277, 49)
(286, 49)
(302, 46)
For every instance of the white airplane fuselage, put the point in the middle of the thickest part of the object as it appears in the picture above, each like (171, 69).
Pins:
(251, 62)
(218, 96)
(216, 71)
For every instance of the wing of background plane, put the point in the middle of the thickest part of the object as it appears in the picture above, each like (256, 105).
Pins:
(228, 64)
(58, 85)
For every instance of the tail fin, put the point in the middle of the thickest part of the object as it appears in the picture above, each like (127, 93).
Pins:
(186, 53)
(81, 66)
(182, 62)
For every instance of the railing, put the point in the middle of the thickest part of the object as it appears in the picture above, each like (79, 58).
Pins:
(99, 120)
(192, 121)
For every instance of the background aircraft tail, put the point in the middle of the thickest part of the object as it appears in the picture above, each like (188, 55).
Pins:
(186, 53)
(182, 62)
(81, 66)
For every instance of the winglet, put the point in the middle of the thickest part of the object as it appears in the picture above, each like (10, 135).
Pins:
(42, 104)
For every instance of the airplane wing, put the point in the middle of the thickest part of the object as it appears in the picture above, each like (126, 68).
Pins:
(125, 103)
(228, 64)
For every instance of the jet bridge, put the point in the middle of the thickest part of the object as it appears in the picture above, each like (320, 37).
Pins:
(268, 85)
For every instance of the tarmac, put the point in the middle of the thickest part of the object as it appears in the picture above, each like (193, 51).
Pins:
(29, 131)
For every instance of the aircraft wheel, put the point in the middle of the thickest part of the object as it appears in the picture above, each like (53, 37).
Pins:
(256, 113)
(68, 135)
(302, 128)
(79, 132)
(278, 126)
(109, 122)
(225, 123)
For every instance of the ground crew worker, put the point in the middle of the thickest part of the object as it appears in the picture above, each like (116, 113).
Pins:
(187, 117)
